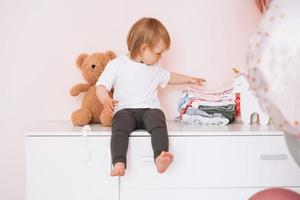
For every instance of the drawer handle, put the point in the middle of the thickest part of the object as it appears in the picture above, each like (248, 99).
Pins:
(273, 157)
(146, 158)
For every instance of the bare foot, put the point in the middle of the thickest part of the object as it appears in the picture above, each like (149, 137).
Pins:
(163, 161)
(118, 169)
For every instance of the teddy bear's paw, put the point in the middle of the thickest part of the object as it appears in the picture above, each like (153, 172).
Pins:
(81, 117)
(74, 92)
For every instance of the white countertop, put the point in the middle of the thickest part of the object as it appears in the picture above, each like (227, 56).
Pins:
(65, 128)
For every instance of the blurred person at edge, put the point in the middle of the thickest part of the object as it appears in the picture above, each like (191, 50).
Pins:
(274, 66)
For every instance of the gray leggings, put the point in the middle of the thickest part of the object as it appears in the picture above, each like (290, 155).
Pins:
(126, 121)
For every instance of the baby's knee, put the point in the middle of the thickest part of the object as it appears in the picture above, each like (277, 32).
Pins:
(155, 118)
(123, 122)
(156, 113)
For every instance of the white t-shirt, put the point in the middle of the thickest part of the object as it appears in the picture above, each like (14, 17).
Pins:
(135, 84)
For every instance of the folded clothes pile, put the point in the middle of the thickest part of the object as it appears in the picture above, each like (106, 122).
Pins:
(207, 107)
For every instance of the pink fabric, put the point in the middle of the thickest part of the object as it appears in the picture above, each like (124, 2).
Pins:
(276, 194)
(219, 91)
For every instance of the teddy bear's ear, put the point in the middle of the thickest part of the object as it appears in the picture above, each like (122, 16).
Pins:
(80, 59)
(110, 55)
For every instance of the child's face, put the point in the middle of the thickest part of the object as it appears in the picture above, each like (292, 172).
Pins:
(151, 56)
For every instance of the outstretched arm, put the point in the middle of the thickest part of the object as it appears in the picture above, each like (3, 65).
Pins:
(184, 79)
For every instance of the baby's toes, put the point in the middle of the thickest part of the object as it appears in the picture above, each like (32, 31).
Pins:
(113, 172)
(169, 155)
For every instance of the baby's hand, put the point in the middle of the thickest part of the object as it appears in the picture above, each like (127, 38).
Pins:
(262, 5)
(197, 81)
(109, 106)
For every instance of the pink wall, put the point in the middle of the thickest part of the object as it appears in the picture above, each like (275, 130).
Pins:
(41, 39)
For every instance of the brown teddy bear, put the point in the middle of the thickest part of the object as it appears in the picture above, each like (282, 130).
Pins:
(91, 109)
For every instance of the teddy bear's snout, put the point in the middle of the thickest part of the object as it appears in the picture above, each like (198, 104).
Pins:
(93, 66)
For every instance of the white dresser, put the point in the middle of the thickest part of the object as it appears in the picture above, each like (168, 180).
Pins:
(211, 162)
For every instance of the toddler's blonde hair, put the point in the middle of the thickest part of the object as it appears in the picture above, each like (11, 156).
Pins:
(146, 31)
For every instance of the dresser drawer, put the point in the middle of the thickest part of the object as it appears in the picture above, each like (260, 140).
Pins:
(270, 163)
(213, 162)
(66, 167)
